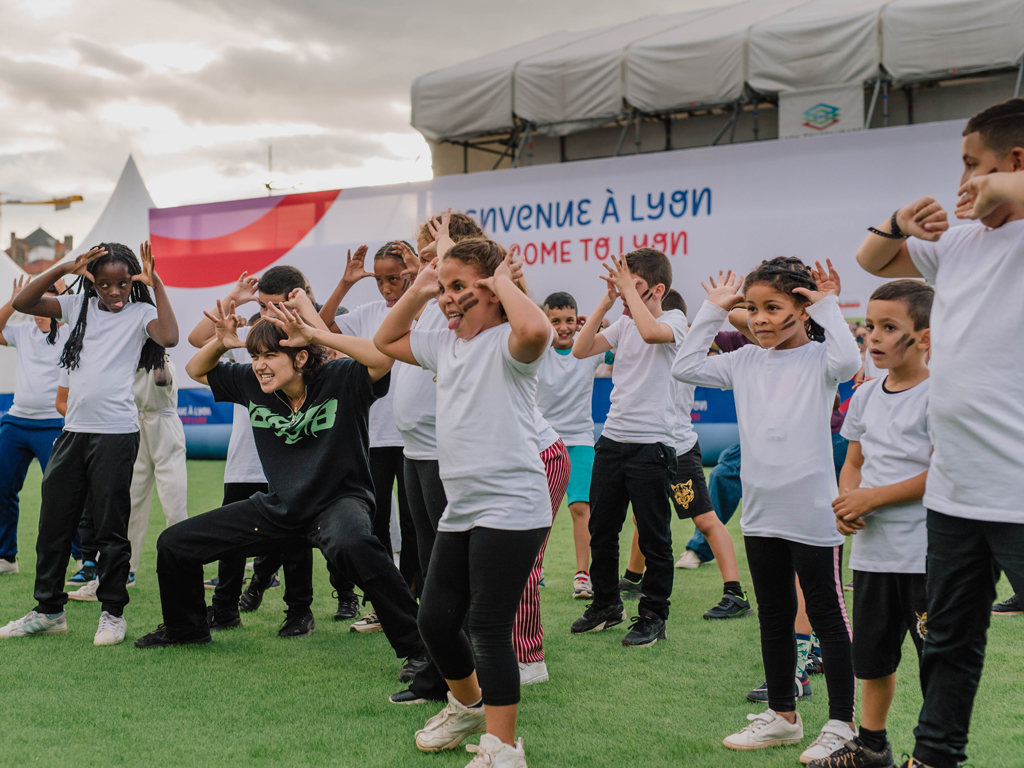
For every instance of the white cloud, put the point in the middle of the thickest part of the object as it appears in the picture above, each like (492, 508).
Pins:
(172, 56)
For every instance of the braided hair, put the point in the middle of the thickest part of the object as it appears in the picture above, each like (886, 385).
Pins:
(783, 274)
(152, 353)
(51, 337)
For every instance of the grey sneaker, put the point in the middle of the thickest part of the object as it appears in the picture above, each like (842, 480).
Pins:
(449, 727)
(34, 623)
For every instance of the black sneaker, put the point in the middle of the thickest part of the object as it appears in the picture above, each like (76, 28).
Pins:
(730, 607)
(159, 638)
(406, 697)
(219, 621)
(853, 754)
(1011, 607)
(802, 689)
(595, 619)
(85, 574)
(348, 605)
(252, 596)
(629, 590)
(297, 623)
(815, 664)
(645, 630)
(413, 666)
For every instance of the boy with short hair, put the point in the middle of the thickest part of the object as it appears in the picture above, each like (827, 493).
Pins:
(880, 486)
(565, 391)
(976, 480)
(634, 459)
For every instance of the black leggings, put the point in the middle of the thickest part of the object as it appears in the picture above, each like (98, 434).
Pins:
(772, 564)
(387, 465)
(427, 501)
(480, 573)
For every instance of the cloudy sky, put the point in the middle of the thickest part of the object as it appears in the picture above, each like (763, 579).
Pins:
(197, 90)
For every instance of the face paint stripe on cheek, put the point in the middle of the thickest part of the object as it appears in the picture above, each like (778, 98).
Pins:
(468, 302)
(788, 323)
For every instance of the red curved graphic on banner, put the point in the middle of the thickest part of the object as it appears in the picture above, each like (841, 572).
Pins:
(201, 263)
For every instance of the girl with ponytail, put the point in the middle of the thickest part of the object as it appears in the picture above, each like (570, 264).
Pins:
(117, 326)
(784, 389)
(29, 428)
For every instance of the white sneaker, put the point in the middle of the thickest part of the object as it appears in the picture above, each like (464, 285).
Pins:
(34, 623)
(582, 589)
(689, 559)
(86, 593)
(532, 672)
(111, 630)
(448, 728)
(495, 753)
(832, 738)
(6, 566)
(369, 623)
(768, 729)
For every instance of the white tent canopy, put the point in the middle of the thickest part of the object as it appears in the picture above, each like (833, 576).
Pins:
(125, 218)
(566, 82)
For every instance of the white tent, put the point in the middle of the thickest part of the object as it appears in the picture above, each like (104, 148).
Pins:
(580, 84)
(125, 219)
(677, 62)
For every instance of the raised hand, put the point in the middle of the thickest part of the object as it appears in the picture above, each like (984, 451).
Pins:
(60, 286)
(439, 230)
(428, 252)
(619, 274)
(408, 257)
(508, 268)
(827, 281)
(148, 273)
(979, 196)
(726, 292)
(298, 298)
(245, 289)
(84, 260)
(924, 219)
(19, 283)
(427, 281)
(354, 266)
(290, 321)
(226, 324)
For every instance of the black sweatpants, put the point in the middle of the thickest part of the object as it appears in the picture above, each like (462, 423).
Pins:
(964, 561)
(427, 501)
(387, 465)
(297, 563)
(773, 563)
(479, 574)
(94, 471)
(640, 474)
(343, 533)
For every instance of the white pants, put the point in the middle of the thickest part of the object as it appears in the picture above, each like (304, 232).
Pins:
(161, 460)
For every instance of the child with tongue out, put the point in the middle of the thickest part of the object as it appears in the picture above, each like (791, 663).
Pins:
(488, 449)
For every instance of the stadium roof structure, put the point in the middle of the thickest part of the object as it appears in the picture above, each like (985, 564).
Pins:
(719, 57)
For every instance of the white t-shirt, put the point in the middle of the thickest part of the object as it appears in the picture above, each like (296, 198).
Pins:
(415, 396)
(784, 404)
(976, 397)
(101, 397)
(565, 395)
(685, 435)
(643, 410)
(150, 398)
(35, 385)
(243, 464)
(363, 321)
(892, 428)
(545, 431)
(488, 449)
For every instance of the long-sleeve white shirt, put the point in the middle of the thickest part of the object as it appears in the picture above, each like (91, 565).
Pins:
(784, 403)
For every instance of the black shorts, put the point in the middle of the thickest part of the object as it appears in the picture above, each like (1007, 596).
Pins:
(885, 607)
(689, 488)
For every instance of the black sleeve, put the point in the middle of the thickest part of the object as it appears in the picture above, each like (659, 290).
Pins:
(355, 378)
(230, 382)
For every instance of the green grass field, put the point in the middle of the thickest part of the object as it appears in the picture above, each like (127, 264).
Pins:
(253, 699)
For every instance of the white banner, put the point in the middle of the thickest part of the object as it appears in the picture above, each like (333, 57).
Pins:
(709, 209)
(815, 111)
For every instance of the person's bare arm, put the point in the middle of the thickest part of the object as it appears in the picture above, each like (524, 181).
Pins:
(61, 403)
(226, 324)
(857, 502)
(590, 341)
(242, 292)
(651, 329)
(32, 299)
(163, 330)
(531, 329)
(392, 337)
(887, 257)
(981, 194)
(7, 310)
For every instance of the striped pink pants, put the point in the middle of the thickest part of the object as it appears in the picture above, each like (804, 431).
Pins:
(527, 632)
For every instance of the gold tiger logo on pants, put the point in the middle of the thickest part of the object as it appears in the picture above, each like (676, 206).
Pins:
(922, 624)
(683, 493)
